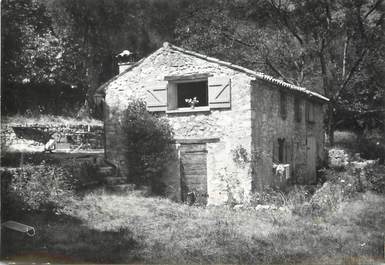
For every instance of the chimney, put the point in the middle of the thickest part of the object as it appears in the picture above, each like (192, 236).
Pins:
(125, 60)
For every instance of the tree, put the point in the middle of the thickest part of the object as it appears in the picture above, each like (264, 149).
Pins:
(30, 50)
(35, 74)
(96, 31)
(75, 42)
(323, 45)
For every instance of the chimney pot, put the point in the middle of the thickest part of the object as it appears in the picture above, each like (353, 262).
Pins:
(125, 60)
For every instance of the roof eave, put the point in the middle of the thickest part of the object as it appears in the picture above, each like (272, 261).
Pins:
(251, 73)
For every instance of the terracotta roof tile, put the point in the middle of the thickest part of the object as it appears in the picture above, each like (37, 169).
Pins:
(259, 75)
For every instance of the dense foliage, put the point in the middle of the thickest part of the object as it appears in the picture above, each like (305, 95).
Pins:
(37, 188)
(45, 186)
(148, 140)
(335, 47)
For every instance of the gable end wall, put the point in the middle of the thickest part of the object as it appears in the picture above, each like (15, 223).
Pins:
(231, 126)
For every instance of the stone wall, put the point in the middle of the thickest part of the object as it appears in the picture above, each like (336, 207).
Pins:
(31, 138)
(268, 126)
(231, 126)
(242, 159)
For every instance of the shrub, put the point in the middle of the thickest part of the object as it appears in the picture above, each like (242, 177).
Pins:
(372, 149)
(85, 174)
(148, 139)
(269, 196)
(37, 188)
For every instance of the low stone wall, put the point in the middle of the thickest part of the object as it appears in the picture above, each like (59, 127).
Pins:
(31, 138)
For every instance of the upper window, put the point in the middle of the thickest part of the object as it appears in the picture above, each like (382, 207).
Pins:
(283, 105)
(192, 94)
(310, 112)
(280, 149)
(188, 93)
(297, 109)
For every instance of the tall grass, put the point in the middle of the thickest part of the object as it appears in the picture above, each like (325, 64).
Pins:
(175, 233)
(103, 227)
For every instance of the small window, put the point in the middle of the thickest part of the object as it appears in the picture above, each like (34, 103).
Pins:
(310, 112)
(297, 109)
(283, 105)
(281, 150)
(192, 94)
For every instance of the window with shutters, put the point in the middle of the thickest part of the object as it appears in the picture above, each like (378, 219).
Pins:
(192, 92)
(280, 151)
(310, 112)
(199, 92)
(283, 105)
(187, 95)
(297, 109)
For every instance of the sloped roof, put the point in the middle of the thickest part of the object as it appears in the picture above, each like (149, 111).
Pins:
(101, 89)
(258, 75)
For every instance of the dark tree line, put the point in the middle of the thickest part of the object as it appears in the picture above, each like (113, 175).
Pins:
(335, 47)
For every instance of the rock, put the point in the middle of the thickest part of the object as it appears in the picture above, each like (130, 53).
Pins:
(327, 197)
(364, 164)
(265, 207)
(284, 209)
(338, 158)
(238, 207)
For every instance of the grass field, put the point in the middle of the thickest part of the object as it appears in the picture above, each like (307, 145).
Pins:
(101, 227)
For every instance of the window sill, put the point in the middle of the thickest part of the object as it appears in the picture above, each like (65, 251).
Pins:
(189, 110)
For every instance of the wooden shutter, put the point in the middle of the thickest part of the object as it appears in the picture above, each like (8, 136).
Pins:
(219, 92)
(283, 105)
(309, 112)
(297, 109)
(275, 151)
(156, 96)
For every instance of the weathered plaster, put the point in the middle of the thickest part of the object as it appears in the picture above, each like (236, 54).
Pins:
(231, 126)
(252, 123)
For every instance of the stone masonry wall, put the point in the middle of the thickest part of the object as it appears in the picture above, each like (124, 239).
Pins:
(231, 126)
(268, 126)
(32, 137)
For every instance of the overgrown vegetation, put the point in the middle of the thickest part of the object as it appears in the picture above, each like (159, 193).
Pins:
(341, 220)
(336, 47)
(148, 140)
(36, 188)
(46, 187)
(370, 145)
(153, 230)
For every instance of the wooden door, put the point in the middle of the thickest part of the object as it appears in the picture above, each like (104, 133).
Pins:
(193, 165)
(311, 154)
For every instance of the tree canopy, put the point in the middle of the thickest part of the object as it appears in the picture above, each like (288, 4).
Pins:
(335, 47)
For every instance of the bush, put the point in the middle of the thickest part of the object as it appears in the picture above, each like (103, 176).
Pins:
(148, 139)
(37, 188)
(85, 174)
(269, 196)
(372, 149)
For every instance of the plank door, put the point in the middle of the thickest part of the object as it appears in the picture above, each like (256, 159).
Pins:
(193, 165)
(311, 154)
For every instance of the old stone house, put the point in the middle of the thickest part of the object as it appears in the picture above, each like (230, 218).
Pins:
(247, 132)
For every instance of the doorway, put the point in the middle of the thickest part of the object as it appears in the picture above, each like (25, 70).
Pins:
(193, 167)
